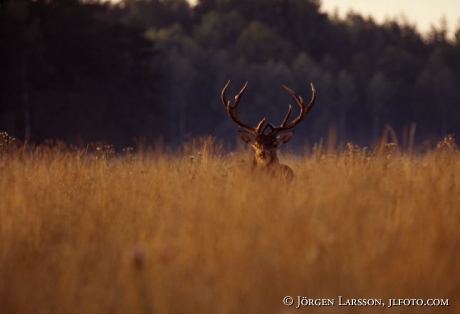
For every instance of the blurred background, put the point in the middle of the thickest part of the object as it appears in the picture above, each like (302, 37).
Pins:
(84, 71)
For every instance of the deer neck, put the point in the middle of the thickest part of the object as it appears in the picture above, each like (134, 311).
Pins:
(274, 163)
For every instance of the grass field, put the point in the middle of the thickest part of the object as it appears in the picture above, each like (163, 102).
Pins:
(85, 232)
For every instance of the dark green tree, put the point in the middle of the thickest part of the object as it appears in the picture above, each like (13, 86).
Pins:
(367, 74)
(76, 74)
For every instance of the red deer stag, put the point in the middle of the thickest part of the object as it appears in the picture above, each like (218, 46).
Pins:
(265, 143)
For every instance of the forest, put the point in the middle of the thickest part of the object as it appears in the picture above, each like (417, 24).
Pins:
(144, 70)
(122, 190)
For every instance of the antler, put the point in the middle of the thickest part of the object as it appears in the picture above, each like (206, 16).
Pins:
(233, 110)
(304, 110)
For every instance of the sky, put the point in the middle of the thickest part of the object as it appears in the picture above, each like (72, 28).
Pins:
(422, 13)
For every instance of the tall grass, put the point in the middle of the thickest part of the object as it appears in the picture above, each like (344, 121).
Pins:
(89, 232)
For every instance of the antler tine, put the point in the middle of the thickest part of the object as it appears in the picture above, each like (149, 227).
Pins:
(233, 110)
(287, 117)
(304, 110)
(222, 95)
(259, 126)
(238, 97)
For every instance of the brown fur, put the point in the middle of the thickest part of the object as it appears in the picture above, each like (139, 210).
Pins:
(265, 158)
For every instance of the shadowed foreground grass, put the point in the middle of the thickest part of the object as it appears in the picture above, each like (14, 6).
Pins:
(169, 234)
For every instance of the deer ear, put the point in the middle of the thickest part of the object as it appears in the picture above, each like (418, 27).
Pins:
(284, 138)
(247, 137)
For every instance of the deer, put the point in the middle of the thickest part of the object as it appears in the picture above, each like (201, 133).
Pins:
(266, 144)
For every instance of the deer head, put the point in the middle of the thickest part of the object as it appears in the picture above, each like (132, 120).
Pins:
(266, 139)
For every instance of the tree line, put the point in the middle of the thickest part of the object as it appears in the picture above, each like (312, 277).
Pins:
(90, 70)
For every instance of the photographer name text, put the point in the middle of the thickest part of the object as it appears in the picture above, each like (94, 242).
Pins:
(301, 301)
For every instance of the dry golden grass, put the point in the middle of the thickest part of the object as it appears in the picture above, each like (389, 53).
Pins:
(158, 233)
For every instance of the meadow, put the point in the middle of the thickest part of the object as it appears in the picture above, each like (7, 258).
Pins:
(90, 231)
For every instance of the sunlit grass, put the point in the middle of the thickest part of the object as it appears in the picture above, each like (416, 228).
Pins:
(89, 232)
